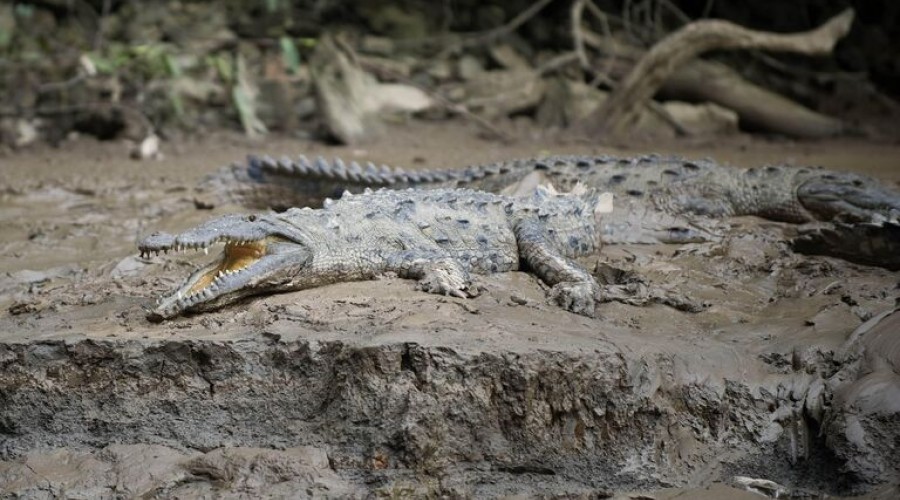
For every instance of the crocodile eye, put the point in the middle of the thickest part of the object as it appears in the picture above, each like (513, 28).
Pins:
(251, 218)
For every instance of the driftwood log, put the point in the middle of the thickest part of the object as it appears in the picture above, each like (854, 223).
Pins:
(671, 55)
(757, 107)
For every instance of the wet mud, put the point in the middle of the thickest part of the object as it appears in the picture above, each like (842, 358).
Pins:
(787, 373)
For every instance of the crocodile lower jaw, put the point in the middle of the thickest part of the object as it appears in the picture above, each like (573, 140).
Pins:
(230, 272)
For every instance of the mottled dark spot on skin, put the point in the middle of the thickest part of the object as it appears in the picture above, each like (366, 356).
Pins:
(752, 172)
(829, 177)
(754, 188)
(494, 267)
(251, 218)
(645, 159)
(481, 240)
(652, 183)
(690, 165)
(803, 170)
(583, 164)
(634, 192)
(617, 179)
(541, 166)
(622, 162)
(858, 183)
(463, 222)
(671, 172)
(370, 215)
(584, 247)
(560, 163)
(574, 243)
(600, 161)
(772, 170)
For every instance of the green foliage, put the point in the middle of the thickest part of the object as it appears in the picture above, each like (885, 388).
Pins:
(289, 54)
(147, 61)
(224, 66)
(274, 5)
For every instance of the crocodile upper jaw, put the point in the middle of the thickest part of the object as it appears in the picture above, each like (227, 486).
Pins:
(244, 268)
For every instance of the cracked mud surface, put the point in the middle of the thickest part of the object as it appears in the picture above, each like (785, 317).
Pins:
(376, 387)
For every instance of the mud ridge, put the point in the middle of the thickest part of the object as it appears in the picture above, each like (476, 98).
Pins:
(602, 420)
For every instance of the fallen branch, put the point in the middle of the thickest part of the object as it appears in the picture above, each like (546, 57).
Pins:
(707, 81)
(622, 108)
(756, 106)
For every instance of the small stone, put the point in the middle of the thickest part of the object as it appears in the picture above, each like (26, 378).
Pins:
(517, 300)
(377, 45)
(508, 57)
(468, 67)
(147, 149)
(24, 307)
(440, 70)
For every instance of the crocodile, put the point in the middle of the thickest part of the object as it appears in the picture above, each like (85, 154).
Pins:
(437, 237)
(669, 184)
(875, 243)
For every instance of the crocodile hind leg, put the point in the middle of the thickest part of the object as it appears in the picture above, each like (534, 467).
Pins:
(436, 273)
(573, 287)
(870, 243)
(636, 221)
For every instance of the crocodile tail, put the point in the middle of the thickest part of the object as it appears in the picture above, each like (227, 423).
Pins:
(318, 175)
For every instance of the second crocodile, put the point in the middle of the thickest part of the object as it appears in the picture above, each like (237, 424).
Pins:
(668, 184)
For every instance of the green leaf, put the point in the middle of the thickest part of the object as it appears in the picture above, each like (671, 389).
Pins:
(24, 10)
(273, 6)
(177, 104)
(172, 66)
(289, 54)
(104, 65)
(224, 67)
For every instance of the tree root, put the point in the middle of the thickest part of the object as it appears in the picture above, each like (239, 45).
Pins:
(622, 109)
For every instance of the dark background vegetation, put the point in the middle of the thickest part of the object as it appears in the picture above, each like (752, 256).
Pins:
(114, 68)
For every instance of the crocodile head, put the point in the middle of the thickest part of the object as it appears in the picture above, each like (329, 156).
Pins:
(844, 196)
(261, 254)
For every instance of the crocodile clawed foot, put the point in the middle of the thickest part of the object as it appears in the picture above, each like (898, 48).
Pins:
(578, 297)
(448, 281)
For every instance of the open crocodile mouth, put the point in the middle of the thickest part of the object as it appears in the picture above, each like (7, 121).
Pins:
(233, 270)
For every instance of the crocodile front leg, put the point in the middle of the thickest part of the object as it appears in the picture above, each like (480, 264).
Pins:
(573, 287)
(436, 273)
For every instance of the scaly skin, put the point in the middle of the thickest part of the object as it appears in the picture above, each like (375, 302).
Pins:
(437, 237)
(872, 243)
(672, 185)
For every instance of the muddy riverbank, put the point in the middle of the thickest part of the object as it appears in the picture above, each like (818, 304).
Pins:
(374, 386)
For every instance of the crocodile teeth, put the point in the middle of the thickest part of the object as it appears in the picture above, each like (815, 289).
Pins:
(205, 250)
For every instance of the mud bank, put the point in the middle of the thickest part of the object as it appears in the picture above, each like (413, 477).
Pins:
(495, 395)
(604, 419)
(371, 387)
